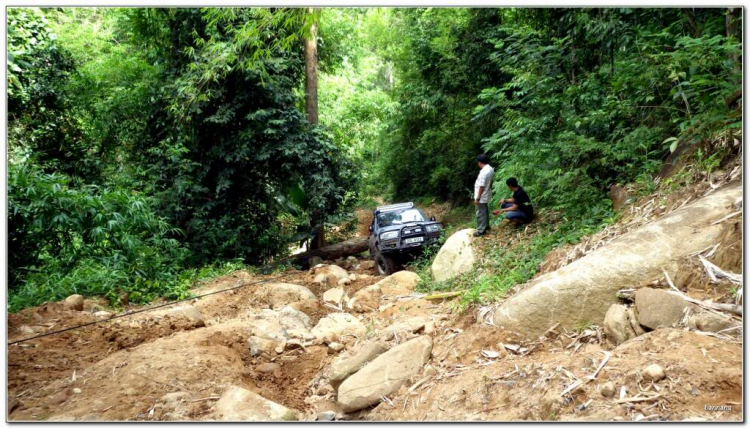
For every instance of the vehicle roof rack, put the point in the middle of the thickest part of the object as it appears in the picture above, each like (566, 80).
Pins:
(394, 207)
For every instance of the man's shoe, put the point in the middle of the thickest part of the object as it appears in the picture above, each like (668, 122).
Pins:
(478, 234)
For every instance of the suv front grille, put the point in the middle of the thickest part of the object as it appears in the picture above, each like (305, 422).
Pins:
(412, 231)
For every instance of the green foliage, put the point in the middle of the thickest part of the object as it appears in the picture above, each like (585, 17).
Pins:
(40, 122)
(68, 237)
(356, 106)
(225, 159)
(602, 98)
(148, 143)
(439, 71)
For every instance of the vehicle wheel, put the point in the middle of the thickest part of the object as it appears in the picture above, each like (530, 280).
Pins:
(386, 265)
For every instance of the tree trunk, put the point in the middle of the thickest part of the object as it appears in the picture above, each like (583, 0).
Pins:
(311, 105)
(732, 21)
(691, 21)
(342, 249)
(311, 73)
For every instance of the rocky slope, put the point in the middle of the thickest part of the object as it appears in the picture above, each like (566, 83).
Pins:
(337, 342)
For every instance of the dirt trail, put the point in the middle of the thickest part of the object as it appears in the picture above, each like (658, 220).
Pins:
(164, 365)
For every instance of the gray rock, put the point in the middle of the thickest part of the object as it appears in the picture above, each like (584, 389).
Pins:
(410, 325)
(397, 284)
(190, 312)
(330, 275)
(335, 325)
(335, 296)
(607, 389)
(582, 291)
(268, 327)
(708, 321)
(654, 373)
(657, 308)
(73, 303)
(344, 366)
(281, 294)
(617, 324)
(385, 374)
(239, 404)
(280, 326)
(326, 416)
(455, 257)
(335, 347)
(259, 346)
(292, 319)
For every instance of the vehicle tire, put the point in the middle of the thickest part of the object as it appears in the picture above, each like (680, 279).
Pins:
(386, 265)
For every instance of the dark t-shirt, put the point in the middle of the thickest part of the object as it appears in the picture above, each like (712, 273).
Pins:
(523, 201)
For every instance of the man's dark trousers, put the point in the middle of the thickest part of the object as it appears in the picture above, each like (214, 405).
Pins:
(483, 218)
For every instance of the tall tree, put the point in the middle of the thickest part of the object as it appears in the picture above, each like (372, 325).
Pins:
(311, 69)
(311, 100)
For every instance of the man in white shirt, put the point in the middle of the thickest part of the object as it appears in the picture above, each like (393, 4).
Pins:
(483, 194)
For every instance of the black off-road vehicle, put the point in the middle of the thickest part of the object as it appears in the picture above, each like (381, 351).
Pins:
(398, 233)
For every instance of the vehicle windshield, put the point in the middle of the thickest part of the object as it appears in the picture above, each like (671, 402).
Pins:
(391, 218)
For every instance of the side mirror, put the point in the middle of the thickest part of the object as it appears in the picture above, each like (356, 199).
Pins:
(432, 218)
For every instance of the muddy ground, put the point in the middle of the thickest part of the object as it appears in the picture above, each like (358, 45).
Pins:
(165, 368)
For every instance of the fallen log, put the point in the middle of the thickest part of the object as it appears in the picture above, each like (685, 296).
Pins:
(346, 248)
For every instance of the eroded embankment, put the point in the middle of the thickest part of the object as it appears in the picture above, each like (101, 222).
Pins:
(582, 291)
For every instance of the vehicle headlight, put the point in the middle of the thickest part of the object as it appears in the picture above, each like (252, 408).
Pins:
(389, 235)
(432, 227)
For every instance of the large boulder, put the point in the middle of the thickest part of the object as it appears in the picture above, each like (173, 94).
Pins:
(339, 324)
(239, 404)
(709, 321)
(455, 257)
(397, 284)
(583, 291)
(617, 324)
(658, 308)
(329, 275)
(385, 374)
(297, 324)
(271, 330)
(344, 365)
(281, 294)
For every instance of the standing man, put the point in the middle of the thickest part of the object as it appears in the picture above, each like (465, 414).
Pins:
(518, 209)
(483, 194)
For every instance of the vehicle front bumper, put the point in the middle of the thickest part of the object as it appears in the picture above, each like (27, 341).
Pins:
(398, 245)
